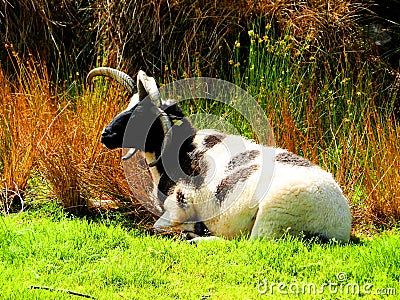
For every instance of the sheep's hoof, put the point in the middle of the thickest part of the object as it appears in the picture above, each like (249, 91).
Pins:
(200, 239)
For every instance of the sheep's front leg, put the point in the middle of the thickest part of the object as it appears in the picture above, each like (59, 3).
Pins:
(200, 234)
(200, 239)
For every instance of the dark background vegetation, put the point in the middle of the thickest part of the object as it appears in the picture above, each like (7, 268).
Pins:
(185, 36)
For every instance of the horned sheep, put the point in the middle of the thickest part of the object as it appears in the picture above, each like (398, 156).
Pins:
(224, 187)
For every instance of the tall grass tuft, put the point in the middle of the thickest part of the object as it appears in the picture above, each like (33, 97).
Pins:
(382, 168)
(54, 132)
(83, 174)
(25, 115)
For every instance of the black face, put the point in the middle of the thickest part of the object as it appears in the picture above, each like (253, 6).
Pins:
(113, 134)
(140, 123)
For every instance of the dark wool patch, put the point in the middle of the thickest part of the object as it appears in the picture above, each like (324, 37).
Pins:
(196, 170)
(165, 187)
(231, 180)
(196, 163)
(242, 158)
(191, 161)
(293, 159)
(181, 143)
(213, 139)
(180, 198)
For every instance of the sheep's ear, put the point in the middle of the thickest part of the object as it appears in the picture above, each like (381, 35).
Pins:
(147, 86)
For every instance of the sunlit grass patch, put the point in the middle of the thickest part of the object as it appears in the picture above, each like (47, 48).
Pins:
(106, 261)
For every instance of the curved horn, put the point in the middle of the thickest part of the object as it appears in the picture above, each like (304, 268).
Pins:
(147, 86)
(115, 74)
(166, 125)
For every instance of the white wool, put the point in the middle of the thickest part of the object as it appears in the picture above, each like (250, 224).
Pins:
(277, 198)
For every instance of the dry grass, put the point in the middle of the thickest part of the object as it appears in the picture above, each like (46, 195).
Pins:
(382, 169)
(25, 107)
(57, 133)
(83, 174)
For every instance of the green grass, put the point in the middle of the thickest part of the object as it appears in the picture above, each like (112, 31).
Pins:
(107, 261)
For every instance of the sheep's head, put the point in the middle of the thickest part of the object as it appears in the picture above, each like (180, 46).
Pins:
(144, 113)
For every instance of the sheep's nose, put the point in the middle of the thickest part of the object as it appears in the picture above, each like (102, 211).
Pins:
(105, 136)
(106, 132)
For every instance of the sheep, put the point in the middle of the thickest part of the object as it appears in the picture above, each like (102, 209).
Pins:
(212, 184)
